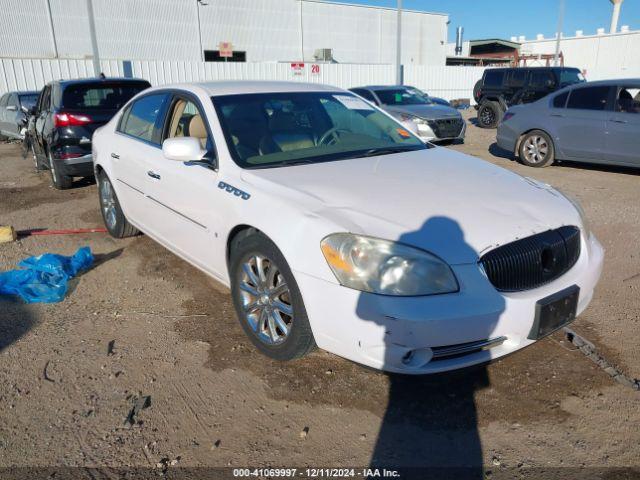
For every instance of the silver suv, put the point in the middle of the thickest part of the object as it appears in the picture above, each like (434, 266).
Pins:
(429, 120)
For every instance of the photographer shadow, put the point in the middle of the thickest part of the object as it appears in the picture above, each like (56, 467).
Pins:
(430, 425)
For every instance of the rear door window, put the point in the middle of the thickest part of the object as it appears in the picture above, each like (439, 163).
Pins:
(100, 96)
(517, 78)
(559, 101)
(541, 79)
(493, 78)
(142, 118)
(28, 101)
(589, 98)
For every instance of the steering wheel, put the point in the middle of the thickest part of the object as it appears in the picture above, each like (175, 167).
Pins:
(331, 136)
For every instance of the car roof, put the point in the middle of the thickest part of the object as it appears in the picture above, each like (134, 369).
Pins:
(382, 87)
(93, 80)
(241, 87)
(530, 68)
(609, 83)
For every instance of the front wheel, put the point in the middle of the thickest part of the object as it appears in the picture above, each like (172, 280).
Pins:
(536, 149)
(267, 299)
(112, 215)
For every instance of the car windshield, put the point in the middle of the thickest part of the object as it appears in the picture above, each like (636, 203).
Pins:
(277, 129)
(402, 96)
(100, 96)
(28, 101)
(570, 76)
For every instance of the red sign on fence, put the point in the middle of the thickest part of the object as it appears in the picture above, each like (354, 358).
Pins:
(225, 49)
(297, 68)
(315, 69)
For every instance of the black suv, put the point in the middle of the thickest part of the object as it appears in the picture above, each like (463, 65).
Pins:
(65, 117)
(499, 88)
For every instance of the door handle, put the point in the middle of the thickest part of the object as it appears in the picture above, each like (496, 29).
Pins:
(557, 115)
(615, 120)
(115, 155)
(153, 174)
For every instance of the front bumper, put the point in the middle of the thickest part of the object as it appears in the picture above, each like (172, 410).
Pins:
(427, 134)
(403, 334)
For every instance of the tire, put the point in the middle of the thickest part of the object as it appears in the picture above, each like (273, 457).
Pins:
(536, 149)
(489, 114)
(112, 215)
(59, 181)
(264, 323)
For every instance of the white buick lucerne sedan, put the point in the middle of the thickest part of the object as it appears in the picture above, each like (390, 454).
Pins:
(334, 226)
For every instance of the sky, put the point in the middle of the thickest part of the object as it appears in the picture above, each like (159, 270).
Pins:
(506, 18)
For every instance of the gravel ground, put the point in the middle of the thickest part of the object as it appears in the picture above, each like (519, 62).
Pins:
(65, 397)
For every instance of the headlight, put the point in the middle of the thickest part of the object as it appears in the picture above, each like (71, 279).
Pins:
(388, 268)
(412, 118)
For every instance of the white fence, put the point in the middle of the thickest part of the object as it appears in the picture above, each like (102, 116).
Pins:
(446, 82)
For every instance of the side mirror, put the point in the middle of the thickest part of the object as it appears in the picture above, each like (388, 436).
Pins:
(12, 108)
(189, 151)
(183, 149)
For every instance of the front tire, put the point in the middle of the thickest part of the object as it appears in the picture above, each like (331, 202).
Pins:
(536, 149)
(59, 181)
(267, 299)
(112, 215)
(489, 114)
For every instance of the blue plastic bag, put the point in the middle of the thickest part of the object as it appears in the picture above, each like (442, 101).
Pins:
(44, 278)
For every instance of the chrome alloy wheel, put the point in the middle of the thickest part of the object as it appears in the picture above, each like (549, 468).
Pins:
(266, 299)
(535, 149)
(108, 201)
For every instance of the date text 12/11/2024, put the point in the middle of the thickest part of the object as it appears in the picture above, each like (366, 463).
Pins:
(316, 472)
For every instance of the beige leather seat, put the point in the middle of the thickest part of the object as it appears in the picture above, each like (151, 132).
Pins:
(198, 130)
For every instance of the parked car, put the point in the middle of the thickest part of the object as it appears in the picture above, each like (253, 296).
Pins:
(416, 111)
(500, 88)
(594, 122)
(335, 226)
(66, 115)
(13, 110)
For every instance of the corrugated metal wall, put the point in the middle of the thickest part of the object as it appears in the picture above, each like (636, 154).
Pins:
(602, 56)
(267, 30)
(447, 82)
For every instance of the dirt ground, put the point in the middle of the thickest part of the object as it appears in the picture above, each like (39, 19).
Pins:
(544, 412)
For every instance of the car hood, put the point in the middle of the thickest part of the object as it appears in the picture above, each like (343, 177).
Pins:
(428, 112)
(448, 203)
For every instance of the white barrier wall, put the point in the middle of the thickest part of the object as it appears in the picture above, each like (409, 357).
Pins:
(446, 82)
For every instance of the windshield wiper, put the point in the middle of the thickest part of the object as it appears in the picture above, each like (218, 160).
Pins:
(386, 151)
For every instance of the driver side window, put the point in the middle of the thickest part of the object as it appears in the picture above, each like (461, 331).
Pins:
(186, 120)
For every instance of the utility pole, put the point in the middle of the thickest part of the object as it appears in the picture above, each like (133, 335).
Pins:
(198, 3)
(556, 57)
(94, 39)
(399, 45)
(52, 31)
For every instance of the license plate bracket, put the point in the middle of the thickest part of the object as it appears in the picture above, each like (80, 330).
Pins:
(554, 312)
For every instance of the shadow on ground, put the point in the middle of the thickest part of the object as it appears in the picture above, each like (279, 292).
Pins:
(15, 321)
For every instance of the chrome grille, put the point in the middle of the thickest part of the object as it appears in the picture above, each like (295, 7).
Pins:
(446, 127)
